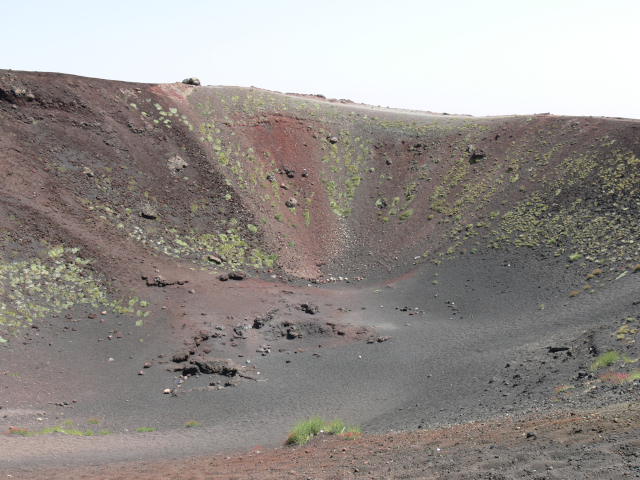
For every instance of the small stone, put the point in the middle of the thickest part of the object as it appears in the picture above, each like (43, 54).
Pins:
(167, 391)
(310, 308)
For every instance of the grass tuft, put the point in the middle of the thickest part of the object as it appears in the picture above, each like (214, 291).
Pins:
(191, 424)
(304, 430)
(604, 360)
(145, 429)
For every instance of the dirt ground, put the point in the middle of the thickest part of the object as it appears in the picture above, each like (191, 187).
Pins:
(447, 283)
(585, 444)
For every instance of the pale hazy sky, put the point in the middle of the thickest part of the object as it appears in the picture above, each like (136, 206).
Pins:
(491, 57)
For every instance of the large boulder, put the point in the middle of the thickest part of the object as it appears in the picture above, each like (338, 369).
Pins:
(191, 81)
(148, 211)
(291, 203)
(219, 366)
(237, 275)
(176, 163)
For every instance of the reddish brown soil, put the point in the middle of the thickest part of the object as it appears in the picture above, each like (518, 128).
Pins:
(590, 444)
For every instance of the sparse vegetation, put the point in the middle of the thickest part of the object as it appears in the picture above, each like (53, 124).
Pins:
(620, 378)
(63, 429)
(563, 388)
(191, 424)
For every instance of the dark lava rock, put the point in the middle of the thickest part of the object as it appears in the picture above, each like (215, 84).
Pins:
(240, 329)
(237, 275)
(261, 320)
(191, 81)
(157, 281)
(180, 357)
(219, 366)
(190, 369)
(289, 171)
(310, 308)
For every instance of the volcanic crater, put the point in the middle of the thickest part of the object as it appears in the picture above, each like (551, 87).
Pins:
(242, 259)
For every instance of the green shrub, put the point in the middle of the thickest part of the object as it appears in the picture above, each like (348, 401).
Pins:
(191, 424)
